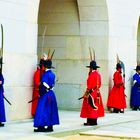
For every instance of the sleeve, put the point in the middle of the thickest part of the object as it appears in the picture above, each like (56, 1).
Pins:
(45, 80)
(98, 80)
(136, 78)
(2, 79)
(37, 78)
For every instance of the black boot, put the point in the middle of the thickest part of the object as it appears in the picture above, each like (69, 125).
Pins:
(49, 128)
(135, 108)
(40, 129)
(121, 110)
(88, 122)
(1, 124)
(115, 110)
(93, 121)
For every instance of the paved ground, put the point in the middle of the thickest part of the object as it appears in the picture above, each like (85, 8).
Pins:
(118, 126)
(79, 137)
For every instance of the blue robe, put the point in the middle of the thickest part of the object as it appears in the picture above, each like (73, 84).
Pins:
(2, 108)
(135, 92)
(47, 110)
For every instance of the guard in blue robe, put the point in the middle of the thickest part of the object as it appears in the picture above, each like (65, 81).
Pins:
(135, 92)
(47, 110)
(2, 108)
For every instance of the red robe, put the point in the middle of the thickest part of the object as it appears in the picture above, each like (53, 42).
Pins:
(93, 81)
(36, 80)
(116, 98)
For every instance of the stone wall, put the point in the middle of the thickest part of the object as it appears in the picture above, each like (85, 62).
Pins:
(108, 26)
(71, 28)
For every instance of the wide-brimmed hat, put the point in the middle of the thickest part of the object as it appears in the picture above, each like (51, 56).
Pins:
(93, 65)
(137, 68)
(48, 64)
(41, 63)
(45, 58)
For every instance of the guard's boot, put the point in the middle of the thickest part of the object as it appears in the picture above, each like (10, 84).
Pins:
(88, 122)
(93, 121)
(1, 124)
(135, 108)
(121, 110)
(115, 110)
(40, 129)
(49, 128)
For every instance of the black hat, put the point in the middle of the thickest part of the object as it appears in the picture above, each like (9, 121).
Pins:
(137, 68)
(93, 65)
(118, 65)
(48, 64)
(41, 63)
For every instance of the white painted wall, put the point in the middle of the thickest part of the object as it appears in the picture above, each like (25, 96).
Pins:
(123, 26)
(19, 19)
(138, 43)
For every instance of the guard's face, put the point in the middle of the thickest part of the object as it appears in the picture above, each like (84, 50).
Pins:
(138, 72)
(90, 69)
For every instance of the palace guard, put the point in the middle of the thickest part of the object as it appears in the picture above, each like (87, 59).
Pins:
(117, 97)
(2, 107)
(36, 82)
(47, 110)
(135, 92)
(92, 107)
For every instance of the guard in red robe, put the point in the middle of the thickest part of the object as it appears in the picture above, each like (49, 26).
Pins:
(36, 79)
(92, 107)
(117, 98)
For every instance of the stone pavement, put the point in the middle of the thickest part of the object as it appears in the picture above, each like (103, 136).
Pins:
(125, 125)
(120, 126)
